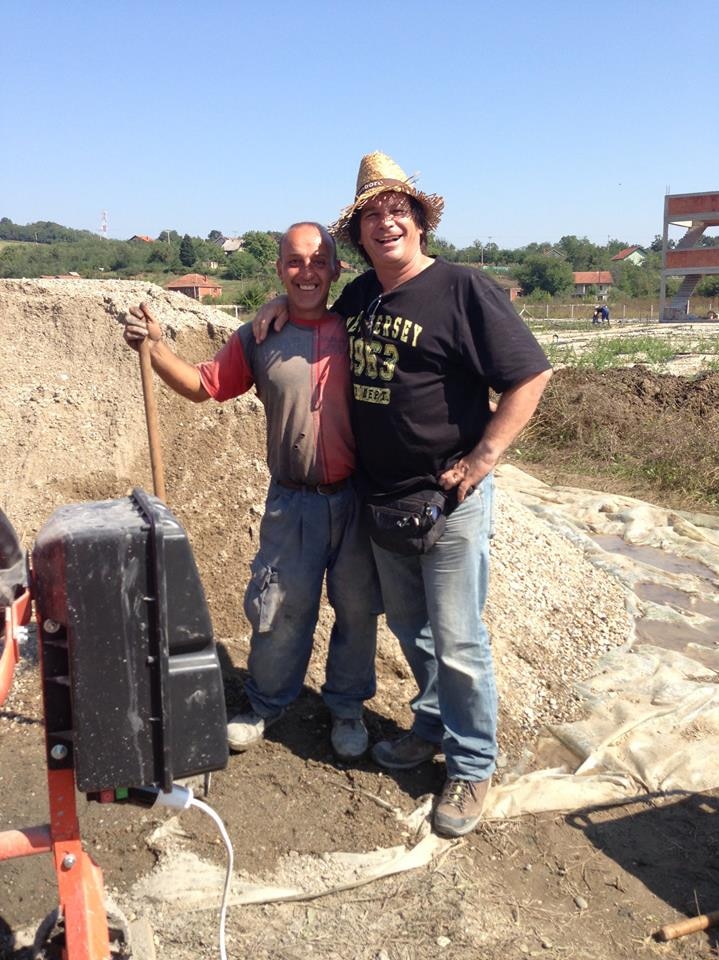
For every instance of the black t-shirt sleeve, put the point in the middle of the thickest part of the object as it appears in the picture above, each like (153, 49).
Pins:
(493, 338)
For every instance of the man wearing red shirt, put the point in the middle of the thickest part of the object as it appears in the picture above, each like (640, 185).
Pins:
(311, 525)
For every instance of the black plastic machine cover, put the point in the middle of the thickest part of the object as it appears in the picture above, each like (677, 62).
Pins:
(13, 563)
(125, 627)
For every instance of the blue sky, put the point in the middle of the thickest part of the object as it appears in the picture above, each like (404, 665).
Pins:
(533, 119)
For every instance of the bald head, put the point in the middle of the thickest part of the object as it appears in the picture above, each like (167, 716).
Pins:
(324, 233)
(307, 265)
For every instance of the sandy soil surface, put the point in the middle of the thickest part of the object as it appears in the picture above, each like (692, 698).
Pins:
(589, 885)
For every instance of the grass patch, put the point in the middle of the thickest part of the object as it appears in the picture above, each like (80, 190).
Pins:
(652, 435)
(610, 352)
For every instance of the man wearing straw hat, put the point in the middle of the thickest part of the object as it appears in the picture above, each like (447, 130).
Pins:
(311, 522)
(428, 339)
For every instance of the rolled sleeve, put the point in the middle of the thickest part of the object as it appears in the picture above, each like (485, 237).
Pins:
(228, 374)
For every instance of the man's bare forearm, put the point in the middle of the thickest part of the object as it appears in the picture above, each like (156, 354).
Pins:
(513, 413)
(514, 410)
(181, 376)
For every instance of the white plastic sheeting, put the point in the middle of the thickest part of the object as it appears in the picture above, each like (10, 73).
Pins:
(652, 708)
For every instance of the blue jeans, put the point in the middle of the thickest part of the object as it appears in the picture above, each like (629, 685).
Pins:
(302, 536)
(434, 605)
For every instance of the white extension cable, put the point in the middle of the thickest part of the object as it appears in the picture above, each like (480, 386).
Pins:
(180, 798)
(228, 876)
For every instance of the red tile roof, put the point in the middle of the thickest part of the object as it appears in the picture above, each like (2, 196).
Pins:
(593, 276)
(626, 252)
(191, 280)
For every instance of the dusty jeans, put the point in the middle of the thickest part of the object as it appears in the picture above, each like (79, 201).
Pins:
(434, 605)
(302, 535)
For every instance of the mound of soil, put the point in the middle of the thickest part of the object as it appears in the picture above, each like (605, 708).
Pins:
(72, 421)
(651, 435)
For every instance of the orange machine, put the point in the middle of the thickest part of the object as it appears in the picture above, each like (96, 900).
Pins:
(79, 879)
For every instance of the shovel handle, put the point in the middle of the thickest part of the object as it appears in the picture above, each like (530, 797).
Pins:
(153, 428)
(670, 931)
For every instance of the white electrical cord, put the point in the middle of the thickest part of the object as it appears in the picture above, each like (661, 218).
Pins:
(180, 798)
(228, 876)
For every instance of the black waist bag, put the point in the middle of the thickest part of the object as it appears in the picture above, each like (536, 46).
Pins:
(411, 524)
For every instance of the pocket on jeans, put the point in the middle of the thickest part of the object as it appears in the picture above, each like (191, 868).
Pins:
(263, 597)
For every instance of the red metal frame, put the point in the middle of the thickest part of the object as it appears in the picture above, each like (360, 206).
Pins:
(79, 879)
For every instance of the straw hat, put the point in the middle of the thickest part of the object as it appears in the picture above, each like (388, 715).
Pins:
(378, 173)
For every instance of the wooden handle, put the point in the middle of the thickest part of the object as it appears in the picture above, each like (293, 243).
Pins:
(670, 931)
(153, 428)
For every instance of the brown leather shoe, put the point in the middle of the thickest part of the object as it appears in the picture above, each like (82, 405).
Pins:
(460, 807)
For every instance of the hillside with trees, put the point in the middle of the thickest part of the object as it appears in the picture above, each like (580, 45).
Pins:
(543, 270)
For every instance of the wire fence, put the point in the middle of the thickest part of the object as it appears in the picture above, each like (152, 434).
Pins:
(631, 311)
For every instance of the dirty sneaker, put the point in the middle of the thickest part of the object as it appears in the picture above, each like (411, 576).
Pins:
(405, 752)
(246, 729)
(349, 738)
(460, 807)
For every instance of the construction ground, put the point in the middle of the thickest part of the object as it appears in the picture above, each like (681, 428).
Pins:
(603, 613)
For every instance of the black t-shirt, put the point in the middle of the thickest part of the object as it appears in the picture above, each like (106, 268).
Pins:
(421, 375)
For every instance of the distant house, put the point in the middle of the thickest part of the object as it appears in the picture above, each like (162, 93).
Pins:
(229, 244)
(195, 285)
(141, 238)
(633, 255)
(510, 286)
(596, 281)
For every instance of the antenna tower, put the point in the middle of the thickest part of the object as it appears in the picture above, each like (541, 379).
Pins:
(103, 223)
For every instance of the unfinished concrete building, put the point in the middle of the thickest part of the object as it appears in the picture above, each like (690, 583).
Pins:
(695, 212)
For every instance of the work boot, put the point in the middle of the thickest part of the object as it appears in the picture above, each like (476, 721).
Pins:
(460, 807)
(405, 752)
(349, 737)
(246, 729)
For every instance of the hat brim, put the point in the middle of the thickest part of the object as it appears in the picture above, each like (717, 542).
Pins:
(432, 203)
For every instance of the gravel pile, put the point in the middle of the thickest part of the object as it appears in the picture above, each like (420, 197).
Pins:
(72, 422)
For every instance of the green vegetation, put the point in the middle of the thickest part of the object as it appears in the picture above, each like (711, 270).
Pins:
(546, 274)
(633, 431)
(614, 352)
(544, 270)
(187, 254)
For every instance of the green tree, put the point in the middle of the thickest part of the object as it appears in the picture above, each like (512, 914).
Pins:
(582, 254)
(544, 273)
(262, 246)
(254, 295)
(708, 287)
(188, 257)
(241, 265)
(437, 247)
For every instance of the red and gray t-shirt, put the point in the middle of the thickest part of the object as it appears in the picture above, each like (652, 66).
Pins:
(303, 380)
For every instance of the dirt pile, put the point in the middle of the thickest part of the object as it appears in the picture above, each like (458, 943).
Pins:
(72, 423)
(654, 431)
(72, 420)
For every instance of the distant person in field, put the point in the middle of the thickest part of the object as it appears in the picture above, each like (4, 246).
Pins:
(311, 524)
(604, 314)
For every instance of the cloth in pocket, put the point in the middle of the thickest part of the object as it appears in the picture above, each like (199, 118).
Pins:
(263, 597)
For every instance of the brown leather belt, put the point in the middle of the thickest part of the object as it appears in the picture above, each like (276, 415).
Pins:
(324, 488)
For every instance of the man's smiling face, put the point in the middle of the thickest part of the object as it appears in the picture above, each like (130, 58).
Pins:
(388, 231)
(307, 266)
